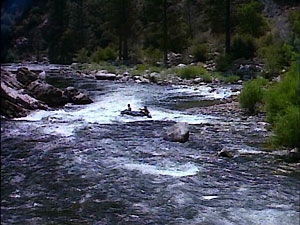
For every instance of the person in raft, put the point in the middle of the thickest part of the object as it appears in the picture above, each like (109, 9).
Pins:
(145, 110)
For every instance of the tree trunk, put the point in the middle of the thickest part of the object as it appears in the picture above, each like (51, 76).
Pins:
(227, 49)
(165, 33)
(189, 19)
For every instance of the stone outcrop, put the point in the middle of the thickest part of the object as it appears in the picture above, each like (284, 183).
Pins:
(15, 102)
(177, 133)
(24, 91)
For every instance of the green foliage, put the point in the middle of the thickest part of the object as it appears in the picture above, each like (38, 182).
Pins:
(215, 15)
(11, 56)
(200, 52)
(224, 62)
(251, 20)
(226, 78)
(252, 94)
(283, 94)
(294, 20)
(142, 68)
(277, 56)
(191, 72)
(151, 55)
(243, 46)
(82, 56)
(104, 54)
(287, 127)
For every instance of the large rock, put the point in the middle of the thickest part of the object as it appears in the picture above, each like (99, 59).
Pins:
(74, 96)
(15, 102)
(177, 133)
(292, 156)
(24, 91)
(104, 75)
(25, 76)
(52, 96)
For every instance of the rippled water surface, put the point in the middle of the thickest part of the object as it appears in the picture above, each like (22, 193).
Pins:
(89, 165)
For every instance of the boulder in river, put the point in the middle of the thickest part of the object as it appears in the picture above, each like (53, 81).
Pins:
(74, 96)
(52, 96)
(103, 75)
(225, 152)
(178, 133)
(292, 155)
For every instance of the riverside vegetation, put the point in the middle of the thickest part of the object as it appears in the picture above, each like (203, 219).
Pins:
(143, 33)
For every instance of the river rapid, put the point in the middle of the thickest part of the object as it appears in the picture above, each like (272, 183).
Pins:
(90, 165)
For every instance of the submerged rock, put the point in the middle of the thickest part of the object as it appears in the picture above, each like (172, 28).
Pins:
(227, 153)
(177, 133)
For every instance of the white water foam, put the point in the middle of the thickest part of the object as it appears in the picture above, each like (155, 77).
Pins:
(179, 171)
(209, 92)
(106, 109)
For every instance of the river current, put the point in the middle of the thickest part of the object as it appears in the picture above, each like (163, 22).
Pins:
(90, 165)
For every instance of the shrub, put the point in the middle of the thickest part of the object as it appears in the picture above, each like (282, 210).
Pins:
(231, 79)
(82, 56)
(277, 56)
(104, 54)
(251, 20)
(283, 95)
(151, 55)
(243, 46)
(191, 72)
(287, 128)
(200, 52)
(224, 62)
(252, 94)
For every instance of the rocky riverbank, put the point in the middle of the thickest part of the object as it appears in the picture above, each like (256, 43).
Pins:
(26, 90)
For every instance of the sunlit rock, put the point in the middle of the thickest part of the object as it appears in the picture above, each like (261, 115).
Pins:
(178, 133)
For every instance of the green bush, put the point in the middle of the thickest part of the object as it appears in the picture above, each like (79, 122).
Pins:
(141, 68)
(250, 19)
(224, 62)
(82, 56)
(287, 128)
(200, 52)
(191, 72)
(104, 54)
(231, 79)
(252, 94)
(243, 46)
(295, 23)
(151, 55)
(282, 95)
(278, 55)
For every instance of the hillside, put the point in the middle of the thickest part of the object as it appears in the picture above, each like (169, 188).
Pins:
(141, 31)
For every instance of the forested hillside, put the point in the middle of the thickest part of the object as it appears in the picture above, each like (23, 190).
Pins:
(65, 31)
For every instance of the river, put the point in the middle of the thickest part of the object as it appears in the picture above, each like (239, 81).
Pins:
(90, 165)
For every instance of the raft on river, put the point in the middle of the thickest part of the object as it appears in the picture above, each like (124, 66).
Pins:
(135, 113)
